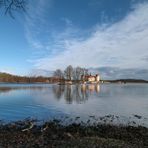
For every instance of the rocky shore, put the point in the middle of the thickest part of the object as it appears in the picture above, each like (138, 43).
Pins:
(26, 134)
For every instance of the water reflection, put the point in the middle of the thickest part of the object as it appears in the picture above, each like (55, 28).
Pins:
(71, 93)
(9, 89)
(5, 89)
(43, 101)
(75, 93)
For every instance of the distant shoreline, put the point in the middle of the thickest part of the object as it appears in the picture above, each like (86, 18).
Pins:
(119, 81)
(126, 81)
(14, 79)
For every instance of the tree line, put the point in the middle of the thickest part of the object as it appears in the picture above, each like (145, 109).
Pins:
(8, 78)
(70, 73)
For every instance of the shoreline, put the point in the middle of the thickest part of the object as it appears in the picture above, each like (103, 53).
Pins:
(53, 134)
(79, 83)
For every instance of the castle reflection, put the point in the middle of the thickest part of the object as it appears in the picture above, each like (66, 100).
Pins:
(75, 93)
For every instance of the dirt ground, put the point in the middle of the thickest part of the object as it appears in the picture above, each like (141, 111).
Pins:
(26, 134)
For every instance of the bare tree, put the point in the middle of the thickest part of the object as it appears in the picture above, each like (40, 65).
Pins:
(85, 71)
(78, 72)
(10, 6)
(69, 72)
(58, 73)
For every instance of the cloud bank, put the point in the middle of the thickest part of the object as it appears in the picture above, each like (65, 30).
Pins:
(123, 44)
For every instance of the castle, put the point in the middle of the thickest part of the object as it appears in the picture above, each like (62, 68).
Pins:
(90, 78)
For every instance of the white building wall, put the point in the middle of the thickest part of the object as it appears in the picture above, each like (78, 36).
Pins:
(91, 79)
(97, 78)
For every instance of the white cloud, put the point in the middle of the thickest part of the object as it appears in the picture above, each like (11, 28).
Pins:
(35, 22)
(123, 44)
(7, 70)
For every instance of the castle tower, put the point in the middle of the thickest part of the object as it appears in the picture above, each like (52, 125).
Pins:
(97, 78)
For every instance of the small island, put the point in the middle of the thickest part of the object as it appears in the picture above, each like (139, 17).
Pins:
(70, 76)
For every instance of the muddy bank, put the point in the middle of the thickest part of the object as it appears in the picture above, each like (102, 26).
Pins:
(52, 134)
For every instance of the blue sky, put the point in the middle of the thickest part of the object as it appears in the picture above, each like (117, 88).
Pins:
(89, 33)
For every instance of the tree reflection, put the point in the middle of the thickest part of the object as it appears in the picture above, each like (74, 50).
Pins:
(58, 91)
(13, 88)
(75, 93)
(5, 89)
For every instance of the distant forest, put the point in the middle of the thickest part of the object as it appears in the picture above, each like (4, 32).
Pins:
(8, 78)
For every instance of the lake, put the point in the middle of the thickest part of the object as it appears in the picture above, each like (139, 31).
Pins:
(113, 103)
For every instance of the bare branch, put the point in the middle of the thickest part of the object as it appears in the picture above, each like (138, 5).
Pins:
(13, 5)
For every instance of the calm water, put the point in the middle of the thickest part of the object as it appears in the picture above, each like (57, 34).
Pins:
(44, 101)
